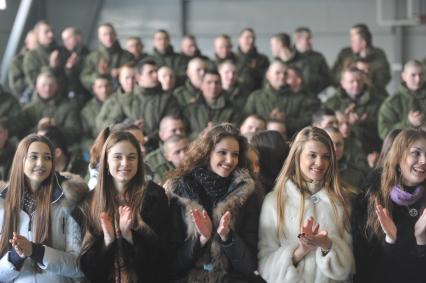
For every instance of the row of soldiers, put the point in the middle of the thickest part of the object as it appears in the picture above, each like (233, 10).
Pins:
(82, 92)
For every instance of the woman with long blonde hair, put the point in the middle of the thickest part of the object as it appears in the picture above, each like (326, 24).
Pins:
(304, 223)
(39, 240)
(389, 219)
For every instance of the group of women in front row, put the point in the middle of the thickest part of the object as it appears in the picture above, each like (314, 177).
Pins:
(207, 228)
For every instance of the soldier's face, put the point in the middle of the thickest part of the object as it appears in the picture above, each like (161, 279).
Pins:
(413, 77)
(102, 89)
(46, 87)
(228, 74)
(161, 42)
(211, 86)
(303, 42)
(222, 47)
(357, 43)
(134, 47)
(352, 83)
(127, 79)
(246, 41)
(107, 36)
(148, 78)
(276, 76)
(45, 34)
(188, 47)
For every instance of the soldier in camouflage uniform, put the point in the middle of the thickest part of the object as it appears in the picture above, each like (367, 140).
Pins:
(17, 81)
(48, 56)
(9, 107)
(407, 107)
(355, 99)
(107, 59)
(148, 103)
(252, 65)
(190, 91)
(318, 77)
(164, 55)
(222, 46)
(169, 126)
(362, 47)
(349, 173)
(49, 108)
(73, 42)
(211, 108)
(101, 91)
(276, 100)
(174, 149)
(235, 91)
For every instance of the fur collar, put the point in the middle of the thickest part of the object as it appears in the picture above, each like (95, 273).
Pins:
(233, 202)
(69, 186)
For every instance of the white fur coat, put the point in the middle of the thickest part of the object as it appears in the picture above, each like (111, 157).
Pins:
(275, 253)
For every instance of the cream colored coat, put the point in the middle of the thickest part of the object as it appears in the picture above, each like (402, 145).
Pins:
(275, 253)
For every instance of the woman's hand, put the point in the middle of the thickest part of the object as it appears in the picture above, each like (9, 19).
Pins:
(22, 246)
(386, 221)
(224, 227)
(203, 224)
(305, 247)
(107, 228)
(420, 229)
(125, 222)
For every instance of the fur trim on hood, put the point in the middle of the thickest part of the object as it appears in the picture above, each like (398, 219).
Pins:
(242, 187)
(74, 189)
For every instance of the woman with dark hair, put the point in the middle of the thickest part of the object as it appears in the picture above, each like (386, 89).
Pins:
(126, 218)
(304, 224)
(39, 240)
(214, 211)
(96, 149)
(373, 176)
(389, 220)
(273, 150)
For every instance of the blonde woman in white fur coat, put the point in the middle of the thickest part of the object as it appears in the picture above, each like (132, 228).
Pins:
(304, 224)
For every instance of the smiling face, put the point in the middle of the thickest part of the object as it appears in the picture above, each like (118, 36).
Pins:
(353, 83)
(314, 161)
(413, 165)
(122, 163)
(37, 163)
(224, 157)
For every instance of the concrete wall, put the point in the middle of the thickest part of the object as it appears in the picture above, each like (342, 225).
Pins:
(330, 20)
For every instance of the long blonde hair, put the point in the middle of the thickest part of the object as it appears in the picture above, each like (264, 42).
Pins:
(336, 191)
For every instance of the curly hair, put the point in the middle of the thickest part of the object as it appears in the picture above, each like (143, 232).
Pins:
(198, 154)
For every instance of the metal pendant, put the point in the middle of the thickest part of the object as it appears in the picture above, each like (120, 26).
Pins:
(315, 199)
(413, 212)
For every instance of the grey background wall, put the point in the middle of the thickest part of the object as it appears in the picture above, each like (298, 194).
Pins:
(330, 20)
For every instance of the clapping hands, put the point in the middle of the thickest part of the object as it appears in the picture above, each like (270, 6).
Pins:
(124, 225)
(22, 245)
(204, 225)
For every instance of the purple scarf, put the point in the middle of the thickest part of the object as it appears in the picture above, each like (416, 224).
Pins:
(402, 197)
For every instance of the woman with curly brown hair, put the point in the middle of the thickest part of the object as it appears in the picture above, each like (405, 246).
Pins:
(214, 211)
